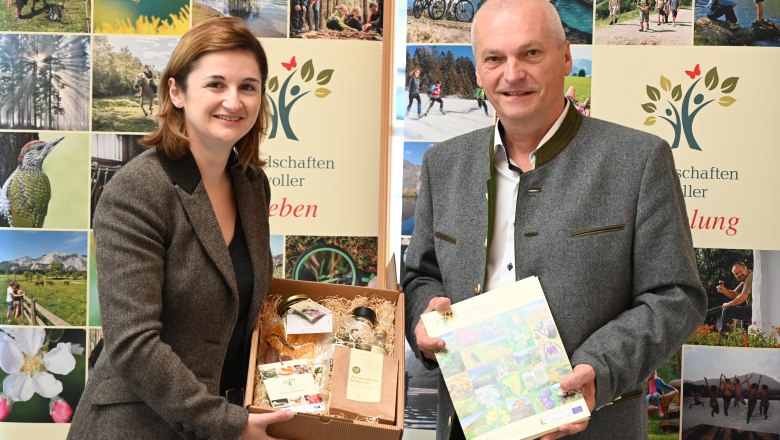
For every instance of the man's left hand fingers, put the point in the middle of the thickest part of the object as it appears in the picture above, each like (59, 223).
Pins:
(580, 376)
(566, 429)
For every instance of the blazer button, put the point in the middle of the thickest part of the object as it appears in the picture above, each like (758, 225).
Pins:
(477, 289)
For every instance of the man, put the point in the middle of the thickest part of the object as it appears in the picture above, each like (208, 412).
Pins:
(614, 11)
(19, 5)
(674, 6)
(479, 95)
(741, 304)
(313, 15)
(644, 13)
(719, 8)
(376, 18)
(297, 12)
(593, 209)
(9, 300)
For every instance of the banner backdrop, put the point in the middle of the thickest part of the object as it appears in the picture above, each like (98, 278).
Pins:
(324, 138)
(713, 107)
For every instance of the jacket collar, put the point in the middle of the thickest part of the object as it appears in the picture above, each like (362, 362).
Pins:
(184, 172)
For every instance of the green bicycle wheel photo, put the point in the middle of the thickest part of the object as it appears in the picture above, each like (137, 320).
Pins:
(326, 264)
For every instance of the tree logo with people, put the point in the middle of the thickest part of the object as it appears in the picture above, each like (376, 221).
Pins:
(679, 108)
(284, 94)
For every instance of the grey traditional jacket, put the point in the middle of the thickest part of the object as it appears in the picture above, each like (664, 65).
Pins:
(169, 302)
(601, 221)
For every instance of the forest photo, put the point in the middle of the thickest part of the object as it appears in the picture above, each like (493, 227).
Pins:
(44, 82)
(124, 87)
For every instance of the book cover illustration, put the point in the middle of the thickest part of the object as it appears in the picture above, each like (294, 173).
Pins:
(503, 362)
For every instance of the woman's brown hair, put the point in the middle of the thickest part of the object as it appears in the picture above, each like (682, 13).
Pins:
(214, 35)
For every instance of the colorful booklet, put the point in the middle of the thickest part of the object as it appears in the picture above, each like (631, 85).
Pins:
(503, 363)
(293, 385)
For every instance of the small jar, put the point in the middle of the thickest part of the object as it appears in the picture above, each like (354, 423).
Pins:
(380, 341)
(361, 328)
(285, 304)
(285, 346)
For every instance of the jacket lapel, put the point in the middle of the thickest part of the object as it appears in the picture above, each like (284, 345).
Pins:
(491, 203)
(252, 223)
(204, 223)
(195, 201)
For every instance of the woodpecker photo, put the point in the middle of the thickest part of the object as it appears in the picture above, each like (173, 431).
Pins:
(25, 195)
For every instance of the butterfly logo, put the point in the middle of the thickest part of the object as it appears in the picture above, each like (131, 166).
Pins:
(289, 66)
(693, 73)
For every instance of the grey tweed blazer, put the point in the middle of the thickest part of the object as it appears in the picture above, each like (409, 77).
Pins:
(169, 302)
(601, 221)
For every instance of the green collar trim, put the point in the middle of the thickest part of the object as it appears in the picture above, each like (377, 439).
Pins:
(565, 134)
(547, 152)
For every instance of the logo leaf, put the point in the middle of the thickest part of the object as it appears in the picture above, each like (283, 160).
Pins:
(650, 120)
(324, 76)
(273, 84)
(726, 101)
(729, 84)
(321, 92)
(307, 71)
(666, 84)
(711, 78)
(653, 93)
(649, 107)
(677, 92)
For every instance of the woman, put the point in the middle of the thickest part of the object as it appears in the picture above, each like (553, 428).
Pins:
(183, 253)
(413, 84)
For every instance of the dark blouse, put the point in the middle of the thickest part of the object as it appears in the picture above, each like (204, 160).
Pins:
(237, 360)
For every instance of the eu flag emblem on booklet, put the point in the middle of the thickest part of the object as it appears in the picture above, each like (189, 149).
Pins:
(503, 362)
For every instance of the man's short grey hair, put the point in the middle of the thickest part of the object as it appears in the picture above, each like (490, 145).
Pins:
(554, 24)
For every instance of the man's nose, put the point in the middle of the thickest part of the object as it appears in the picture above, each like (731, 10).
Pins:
(515, 70)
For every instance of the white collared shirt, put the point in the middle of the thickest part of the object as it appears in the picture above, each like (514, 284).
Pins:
(501, 260)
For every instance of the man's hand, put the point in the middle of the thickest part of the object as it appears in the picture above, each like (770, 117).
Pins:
(583, 377)
(428, 345)
(725, 305)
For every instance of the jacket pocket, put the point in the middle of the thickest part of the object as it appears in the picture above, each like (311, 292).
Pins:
(445, 237)
(599, 230)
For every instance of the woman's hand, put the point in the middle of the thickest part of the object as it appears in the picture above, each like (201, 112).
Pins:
(255, 427)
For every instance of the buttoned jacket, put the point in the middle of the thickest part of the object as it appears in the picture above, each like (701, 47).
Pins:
(169, 302)
(601, 221)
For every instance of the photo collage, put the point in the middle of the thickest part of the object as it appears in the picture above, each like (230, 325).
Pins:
(442, 100)
(79, 91)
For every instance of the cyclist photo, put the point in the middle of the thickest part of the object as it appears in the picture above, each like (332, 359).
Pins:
(336, 260)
